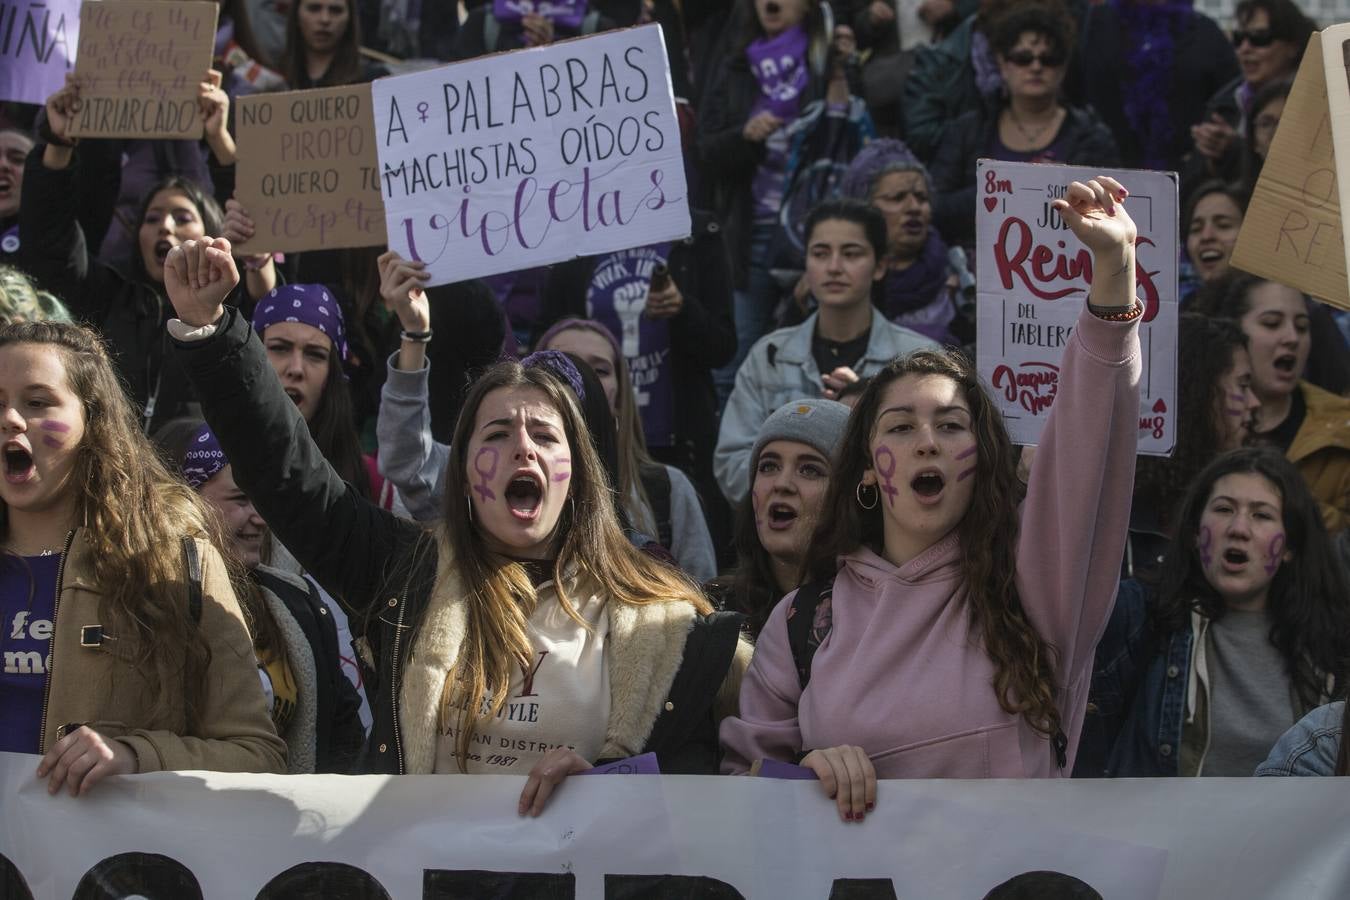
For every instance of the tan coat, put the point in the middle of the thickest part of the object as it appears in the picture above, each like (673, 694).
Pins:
(1321, 450)
(97, 686)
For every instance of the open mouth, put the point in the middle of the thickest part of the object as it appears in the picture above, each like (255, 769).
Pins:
(781, 516)
(6, 186)
(1234, 559)
(296, 397)
(772, 8)
(1286, 362)
(912, 226)
(1211, 256)
(523, 496)
(928, 485)
(18, 464)
(162, 249)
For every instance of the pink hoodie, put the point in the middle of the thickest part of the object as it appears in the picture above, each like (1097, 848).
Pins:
(901, 674)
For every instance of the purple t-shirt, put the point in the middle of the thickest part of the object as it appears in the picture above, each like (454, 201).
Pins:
(27, 607)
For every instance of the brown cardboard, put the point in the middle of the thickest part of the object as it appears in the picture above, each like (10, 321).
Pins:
(1292, 232)
(308, 170)
(140, 63)
(1336, 67)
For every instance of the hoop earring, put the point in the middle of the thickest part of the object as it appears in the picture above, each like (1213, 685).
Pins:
(876, 496)
(469, 506)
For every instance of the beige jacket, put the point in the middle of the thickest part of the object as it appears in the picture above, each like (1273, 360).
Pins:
(98, 686)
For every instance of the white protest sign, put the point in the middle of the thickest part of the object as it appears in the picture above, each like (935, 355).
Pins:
(1033, 277)
(532, 157)
(37, 47)
(271, 837)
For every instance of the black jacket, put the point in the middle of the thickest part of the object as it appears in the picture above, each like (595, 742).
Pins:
(1083, 138)
(339, 735)
(381, 568)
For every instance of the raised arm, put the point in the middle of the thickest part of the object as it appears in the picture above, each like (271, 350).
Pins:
(1076, 514)
(340, 538)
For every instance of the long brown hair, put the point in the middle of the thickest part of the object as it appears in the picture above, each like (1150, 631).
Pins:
(135, 514)
(1024, 664)
(590, 545)
(346, 65)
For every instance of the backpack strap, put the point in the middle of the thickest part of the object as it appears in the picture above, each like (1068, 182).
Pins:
(194, 578)
(805, 634)
(656, 482)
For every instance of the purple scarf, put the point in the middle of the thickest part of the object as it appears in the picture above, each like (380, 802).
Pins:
(780, 67)
(906, 292)
(1150, 33)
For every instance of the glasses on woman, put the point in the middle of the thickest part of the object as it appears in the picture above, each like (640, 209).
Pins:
(1259, 37)
(1052, 59)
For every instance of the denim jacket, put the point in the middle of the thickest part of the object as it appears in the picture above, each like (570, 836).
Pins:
(780, 368)
(1310, 747)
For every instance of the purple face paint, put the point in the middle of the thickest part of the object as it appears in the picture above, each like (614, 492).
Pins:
(485, 492)
(966, 474)
(563, 476)
(888, 486)
(1274, 553)
(54, 442)
(967, 454)
(1237, 409)
(1205, 542)
(58, 427)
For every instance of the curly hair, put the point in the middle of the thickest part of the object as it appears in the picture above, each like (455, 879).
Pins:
(135, 514)
(1024, 663)
(1308, 602)
(1205, 349)
(1049, 20)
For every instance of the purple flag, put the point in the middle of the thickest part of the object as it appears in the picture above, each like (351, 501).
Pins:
(779, 64)
(617, 297)
(567, 13)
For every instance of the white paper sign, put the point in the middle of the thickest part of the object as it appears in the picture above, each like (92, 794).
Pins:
(438, 836)
(533, 156)
(1033, 276)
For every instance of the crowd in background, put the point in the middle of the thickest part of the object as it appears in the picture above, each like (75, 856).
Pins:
(377, 528)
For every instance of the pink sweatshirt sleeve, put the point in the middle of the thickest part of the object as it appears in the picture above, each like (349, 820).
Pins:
(767, 726)
(1077, 510)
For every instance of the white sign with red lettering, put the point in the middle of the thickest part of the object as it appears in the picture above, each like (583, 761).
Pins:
(1033, 276)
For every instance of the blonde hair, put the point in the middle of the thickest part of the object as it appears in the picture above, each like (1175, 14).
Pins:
(591, 546)
(22, 301)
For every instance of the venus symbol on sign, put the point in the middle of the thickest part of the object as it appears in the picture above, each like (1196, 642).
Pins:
(422, 110)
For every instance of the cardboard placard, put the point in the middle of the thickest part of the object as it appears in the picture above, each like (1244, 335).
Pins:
(37, 47)
(1292, 231)
(139, 64)
(1336, 66)
(532, 157)
(1033, 277)
(307, 170)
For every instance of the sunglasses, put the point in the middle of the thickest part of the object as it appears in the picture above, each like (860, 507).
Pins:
(1260, 37)
(1023, 58)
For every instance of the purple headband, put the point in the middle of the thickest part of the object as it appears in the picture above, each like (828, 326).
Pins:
(308, 304)
(559, 364)
(203, 458)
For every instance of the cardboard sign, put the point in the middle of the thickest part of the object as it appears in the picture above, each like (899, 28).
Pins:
(307, 170)
(1292, 231)
(1336, 66)
(37, 47)
(1033, 277)
(139, 63)
(532, 157)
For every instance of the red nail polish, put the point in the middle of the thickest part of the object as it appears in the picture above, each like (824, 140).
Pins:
(871, 806)
(860, 816)
(848, 817)
(1111, 211)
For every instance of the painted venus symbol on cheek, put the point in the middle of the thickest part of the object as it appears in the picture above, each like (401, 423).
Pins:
(563, 476)
(1273, 554)
(966, 454)
(1236, 411)
(1205, 542)
(888, 486)
(485, 493)
(50, 439)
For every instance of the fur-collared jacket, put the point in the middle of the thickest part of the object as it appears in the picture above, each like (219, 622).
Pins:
(673, 673)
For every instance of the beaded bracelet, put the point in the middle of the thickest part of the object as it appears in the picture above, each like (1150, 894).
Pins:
(1107, 313)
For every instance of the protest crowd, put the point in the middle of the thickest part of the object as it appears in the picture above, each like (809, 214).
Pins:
(326, 511)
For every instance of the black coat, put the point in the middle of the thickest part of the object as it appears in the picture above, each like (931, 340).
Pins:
(381, 568)
(338, 733)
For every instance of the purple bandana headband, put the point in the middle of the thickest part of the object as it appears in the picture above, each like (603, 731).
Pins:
(557, 362)
(203, 458)
(308, 304)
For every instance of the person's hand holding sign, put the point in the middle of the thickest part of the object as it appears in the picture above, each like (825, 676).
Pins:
(1095, 213)
(215, 106)
(538, 30)
(401, 283)
(83, 758)
(665, 302)
(259, 268)
(198, 276)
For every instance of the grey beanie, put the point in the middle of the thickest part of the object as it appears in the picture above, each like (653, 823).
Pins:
(817, 423)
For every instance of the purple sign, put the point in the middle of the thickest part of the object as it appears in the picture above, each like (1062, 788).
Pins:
(634, 765)
(37, 47)
(779, 64)
(567, 13)
(617, 297)
(772, 768)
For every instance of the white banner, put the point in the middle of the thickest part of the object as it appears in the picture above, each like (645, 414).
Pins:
(532, 157)
(1033, 276)
(242, 836)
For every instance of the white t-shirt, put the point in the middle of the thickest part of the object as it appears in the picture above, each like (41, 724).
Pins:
(562, 701)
